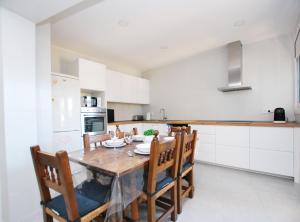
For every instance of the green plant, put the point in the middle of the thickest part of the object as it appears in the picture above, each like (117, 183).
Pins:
(149, 132)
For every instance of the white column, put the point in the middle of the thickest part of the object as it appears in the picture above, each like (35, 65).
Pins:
(2, 163)
(18, 95)
(297, 155)
(43, 86)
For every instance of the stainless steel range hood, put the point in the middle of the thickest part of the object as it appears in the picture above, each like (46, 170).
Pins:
(235, 67)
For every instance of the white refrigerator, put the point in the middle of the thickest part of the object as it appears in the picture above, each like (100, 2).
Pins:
(66, 113)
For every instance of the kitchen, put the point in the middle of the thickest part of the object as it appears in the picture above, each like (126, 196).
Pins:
(228, 80)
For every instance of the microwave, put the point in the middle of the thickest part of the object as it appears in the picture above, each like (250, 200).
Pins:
(93, 120)
(89, 101)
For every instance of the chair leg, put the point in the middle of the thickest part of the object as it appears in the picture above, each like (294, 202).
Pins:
(47, 217)
(99, 219)
(190, 178)
(174, 200)
(151, 209)
(179, 193)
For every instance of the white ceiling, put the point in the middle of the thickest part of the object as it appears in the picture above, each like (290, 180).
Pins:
(158, 32)
(37, 10)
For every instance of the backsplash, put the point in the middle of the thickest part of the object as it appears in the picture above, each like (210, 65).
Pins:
(125, 111)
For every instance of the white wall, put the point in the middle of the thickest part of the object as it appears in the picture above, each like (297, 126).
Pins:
(125, 111)
(19, 186)
(62, 56)
(43, 86)
(2, 163)
(188, 88)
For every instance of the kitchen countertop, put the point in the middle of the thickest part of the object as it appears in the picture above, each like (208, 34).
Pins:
(212, 122)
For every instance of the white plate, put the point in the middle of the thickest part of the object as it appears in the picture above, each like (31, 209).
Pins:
(139, 152)
(109, 146)
(168, 138)
(144, 147)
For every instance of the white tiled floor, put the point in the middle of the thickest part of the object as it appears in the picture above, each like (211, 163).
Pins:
(228, 195)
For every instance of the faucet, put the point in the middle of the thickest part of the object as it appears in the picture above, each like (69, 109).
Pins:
(163, 114)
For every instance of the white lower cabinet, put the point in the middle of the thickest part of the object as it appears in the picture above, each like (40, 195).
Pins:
(206, 146)
(272, 138)
(263, 149)
(272, 150)
(206, 152)
(232, 146)
(142, 127)
(232, 156)
(275, 162)
(162, 128)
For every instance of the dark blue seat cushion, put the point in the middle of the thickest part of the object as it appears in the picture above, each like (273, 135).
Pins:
(85, 205)
(89, 195)
(185, 166)
(164, 182)
(94, 191)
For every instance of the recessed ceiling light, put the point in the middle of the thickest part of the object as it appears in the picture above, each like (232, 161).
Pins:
(239, 23)
(164, 47)
(123, 23)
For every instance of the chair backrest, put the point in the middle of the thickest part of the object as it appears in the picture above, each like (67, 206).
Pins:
(94, 141)
(121, 135)
(187, 148)
(53, 172)
(135, 131)
(163, 156)
(174, 129)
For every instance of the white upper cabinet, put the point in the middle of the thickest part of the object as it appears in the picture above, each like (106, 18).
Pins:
(142, 91)
(126, 88)
(92, 75)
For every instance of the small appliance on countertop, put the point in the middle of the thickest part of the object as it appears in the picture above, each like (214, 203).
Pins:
(279, 115)
(89, 101)
(110, 115)
(148, 116)
(138, 118)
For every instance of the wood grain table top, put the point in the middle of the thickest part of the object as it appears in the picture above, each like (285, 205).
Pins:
(111, 161)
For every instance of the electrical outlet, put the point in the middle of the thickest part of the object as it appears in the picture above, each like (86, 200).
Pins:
(267, 110)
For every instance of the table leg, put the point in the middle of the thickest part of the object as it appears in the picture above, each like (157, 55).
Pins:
(135, 213)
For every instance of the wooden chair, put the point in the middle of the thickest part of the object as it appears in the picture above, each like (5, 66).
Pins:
(53, 172)
(163, 157)
(175, 129)
(186, 167)
(95, 141)
(135, 131)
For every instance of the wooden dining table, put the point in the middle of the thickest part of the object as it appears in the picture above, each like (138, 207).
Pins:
(116, 162)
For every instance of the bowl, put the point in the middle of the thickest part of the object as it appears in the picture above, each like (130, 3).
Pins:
(117, 142)
(138, 138)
